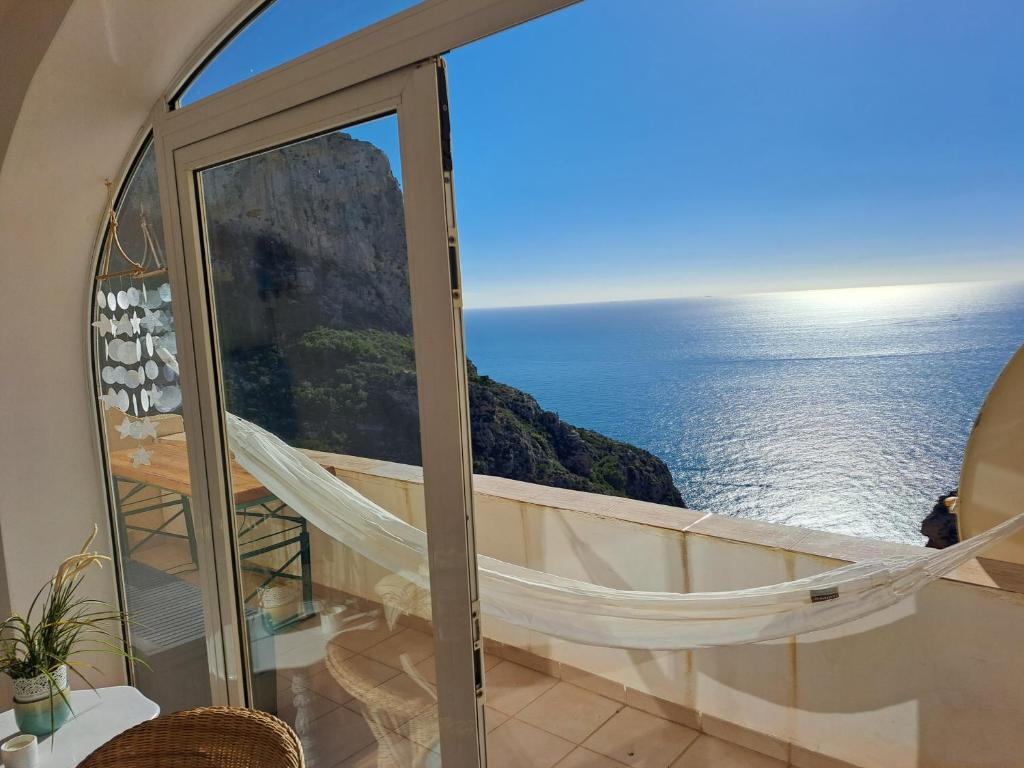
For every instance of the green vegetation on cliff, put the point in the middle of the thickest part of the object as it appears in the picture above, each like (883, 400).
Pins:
(354, 392)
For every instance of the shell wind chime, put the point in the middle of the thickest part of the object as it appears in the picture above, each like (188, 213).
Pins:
(135, 330)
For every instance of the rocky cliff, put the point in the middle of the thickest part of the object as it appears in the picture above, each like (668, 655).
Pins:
(307, 251)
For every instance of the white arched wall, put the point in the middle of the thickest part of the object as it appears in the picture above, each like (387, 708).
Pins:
(82, 114)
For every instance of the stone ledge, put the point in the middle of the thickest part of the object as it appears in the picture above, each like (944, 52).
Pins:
(835, 547)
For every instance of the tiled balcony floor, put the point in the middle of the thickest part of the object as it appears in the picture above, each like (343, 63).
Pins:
(370, 704)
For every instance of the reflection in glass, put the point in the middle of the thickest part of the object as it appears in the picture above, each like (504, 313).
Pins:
(136, 364)
(308, 259)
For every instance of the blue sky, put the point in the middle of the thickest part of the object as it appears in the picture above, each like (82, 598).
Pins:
(649, 148)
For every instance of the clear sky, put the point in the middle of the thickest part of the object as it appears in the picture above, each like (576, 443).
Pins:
(649, 148)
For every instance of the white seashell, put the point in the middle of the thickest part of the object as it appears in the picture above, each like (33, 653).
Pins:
(165, 292)
(131, 378)
(168, 358)
(101, 299)
(152, 369)
(112, 300)
(122, 300)
(133, 296)
(170, 398)
(107, 374)
(120, 375)
(169, 341)
(123, 401)
(149, 344)
(144, 396)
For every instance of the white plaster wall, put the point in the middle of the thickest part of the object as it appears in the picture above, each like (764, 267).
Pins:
(88, 99)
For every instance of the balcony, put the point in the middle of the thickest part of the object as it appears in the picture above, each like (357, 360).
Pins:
(905, 687)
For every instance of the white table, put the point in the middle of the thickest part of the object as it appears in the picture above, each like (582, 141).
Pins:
(99, 716)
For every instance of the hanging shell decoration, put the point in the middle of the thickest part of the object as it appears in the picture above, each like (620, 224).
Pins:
(135, 337)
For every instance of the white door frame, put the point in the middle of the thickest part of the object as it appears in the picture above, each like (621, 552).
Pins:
(413, 94)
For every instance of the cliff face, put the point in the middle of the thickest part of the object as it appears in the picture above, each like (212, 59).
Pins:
(307, 246)
(309, 234)
(514, 437)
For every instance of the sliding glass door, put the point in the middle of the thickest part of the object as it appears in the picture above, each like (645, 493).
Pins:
(320, 261)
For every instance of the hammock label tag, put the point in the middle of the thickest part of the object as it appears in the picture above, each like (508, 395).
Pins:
(821, 595)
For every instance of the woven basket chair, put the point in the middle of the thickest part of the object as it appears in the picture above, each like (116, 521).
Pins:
(210, 737)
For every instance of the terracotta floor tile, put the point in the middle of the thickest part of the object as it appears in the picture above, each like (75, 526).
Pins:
(584, 758)
(413, 645)
(334, 737)
(427, 669)
(569, 712)
(641, 740)
(292, 698)
(709, 752)
(394, 702)
(423, 729)
(322, 683)
(393, 751)
(510, 687)
(358, 675)
(493, 718)
(518, 745)
(364, 633)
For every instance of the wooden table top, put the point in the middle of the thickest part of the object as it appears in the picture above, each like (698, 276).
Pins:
(168, 468)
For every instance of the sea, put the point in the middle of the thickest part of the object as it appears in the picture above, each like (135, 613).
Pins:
(842, 410)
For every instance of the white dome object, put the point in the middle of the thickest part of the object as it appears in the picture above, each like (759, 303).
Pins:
(992, 478)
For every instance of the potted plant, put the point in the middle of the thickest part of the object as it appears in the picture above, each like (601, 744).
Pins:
(37, 653)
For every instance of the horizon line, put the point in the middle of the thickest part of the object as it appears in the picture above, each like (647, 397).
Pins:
(633, 300)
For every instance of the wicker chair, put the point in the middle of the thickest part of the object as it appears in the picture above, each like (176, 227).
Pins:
(210, 737)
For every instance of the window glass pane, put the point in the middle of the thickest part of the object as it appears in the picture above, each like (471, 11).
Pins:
(158, 536)
(311, 286)
(283, 31)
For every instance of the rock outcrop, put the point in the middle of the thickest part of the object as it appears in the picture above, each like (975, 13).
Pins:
(940, 526)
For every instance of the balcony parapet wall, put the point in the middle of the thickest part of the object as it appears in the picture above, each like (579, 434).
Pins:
(933, 682)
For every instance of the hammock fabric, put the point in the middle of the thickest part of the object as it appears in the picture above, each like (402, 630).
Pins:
(582, 612)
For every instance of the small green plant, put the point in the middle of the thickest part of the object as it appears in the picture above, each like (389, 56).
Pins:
(68, 626)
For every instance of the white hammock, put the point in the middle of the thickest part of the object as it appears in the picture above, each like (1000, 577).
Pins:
(588, 613)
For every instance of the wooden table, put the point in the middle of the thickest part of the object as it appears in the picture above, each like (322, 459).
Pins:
(168, 469)
(255, 507)
(99, 716)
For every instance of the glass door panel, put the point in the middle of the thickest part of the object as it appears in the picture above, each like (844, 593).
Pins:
(163, 564)
(308, 263)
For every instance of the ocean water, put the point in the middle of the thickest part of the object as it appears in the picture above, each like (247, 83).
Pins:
(838, 410)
